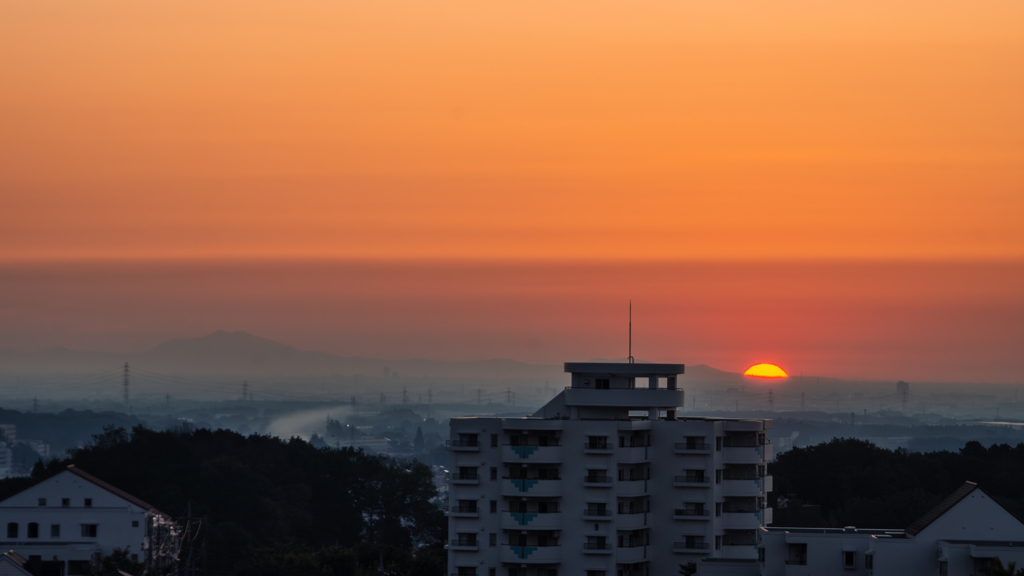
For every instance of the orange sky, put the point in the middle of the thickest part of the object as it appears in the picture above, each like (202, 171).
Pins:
(804, 146)
(526, 130)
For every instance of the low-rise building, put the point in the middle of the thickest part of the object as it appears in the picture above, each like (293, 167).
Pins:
(64, 523)
(961, 536)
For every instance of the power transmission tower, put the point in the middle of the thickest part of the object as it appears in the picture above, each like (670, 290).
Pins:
(245, 390)
(381, 401)
(513, 399)
(35, 404)
(126, 382)
(508, 396)
(353, 403)
(771, 401)
(479, 396)
(430, 396)
(167, 399)
(405, 396)
(801, 401)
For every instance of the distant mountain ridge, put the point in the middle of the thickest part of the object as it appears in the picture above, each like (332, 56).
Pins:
(240, 353)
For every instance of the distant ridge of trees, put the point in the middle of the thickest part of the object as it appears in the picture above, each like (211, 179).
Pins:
(859, 484)
(261, 491)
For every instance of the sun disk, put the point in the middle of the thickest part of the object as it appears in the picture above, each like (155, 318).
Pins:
(766, 371)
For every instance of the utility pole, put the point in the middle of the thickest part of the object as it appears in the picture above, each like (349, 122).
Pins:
(126, 382)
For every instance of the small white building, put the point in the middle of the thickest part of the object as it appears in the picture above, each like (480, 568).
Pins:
(959, 537)
(69, 520)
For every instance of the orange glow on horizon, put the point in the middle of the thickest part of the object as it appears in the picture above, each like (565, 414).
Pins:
(766, 371)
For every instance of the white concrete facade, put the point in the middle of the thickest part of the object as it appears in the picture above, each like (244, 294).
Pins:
(605, 481)
(62, 523)
(960, 537)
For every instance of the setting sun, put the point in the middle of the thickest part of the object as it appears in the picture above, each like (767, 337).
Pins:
(766, 371)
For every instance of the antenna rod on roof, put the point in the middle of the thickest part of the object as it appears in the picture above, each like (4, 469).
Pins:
(630, 359)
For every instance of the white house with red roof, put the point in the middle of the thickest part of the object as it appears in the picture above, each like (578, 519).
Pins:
(69, 520)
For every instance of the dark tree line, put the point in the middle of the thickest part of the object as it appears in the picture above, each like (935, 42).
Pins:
(859, 484)
(260, 491)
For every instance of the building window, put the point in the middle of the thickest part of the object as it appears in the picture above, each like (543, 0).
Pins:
(718, 542)
(33, 530)
(595, 573)
(135, 523)
(494, 506)
(492, 572)
(943, 568)
(493, 539)
(42, 501)
(89, 530)
(54, 530)
(88, 502)
(494, 440)
(602, 383)
(718, 443)
(12, 529)
(869, 562)
(65, 502)
(849, 559)
(718, 508)
(718, 476)
(494, 473)
(466, 571)
(760, 555)
(78, 567)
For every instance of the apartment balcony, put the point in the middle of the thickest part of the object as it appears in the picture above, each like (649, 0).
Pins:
(744, 455)
(741, 520)
(739, 550)
(464, 545)
(531, 554)
(631, 487)
(625, 399)
(743, 487)
(536, 488)
(697, 515)
(633, 455)
(467, 479)
(605, 448)
(597, 515)
(631, 521)
(690, 547)
(691, 482)
(598, 481)
(592, 548)
(630, 555)
(692, 448)
(463, 445)
(532, 454)
(530, 521)
(463, 512)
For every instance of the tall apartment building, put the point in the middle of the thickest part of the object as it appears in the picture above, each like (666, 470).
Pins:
(605, 480)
